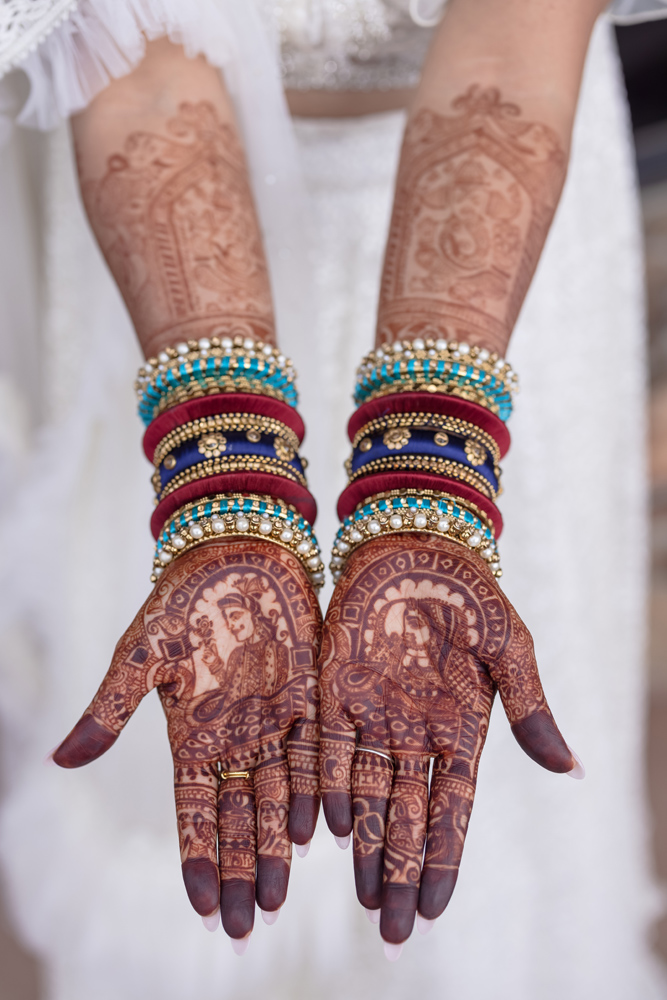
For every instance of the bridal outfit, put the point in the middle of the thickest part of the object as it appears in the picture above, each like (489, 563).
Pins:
(555, 899)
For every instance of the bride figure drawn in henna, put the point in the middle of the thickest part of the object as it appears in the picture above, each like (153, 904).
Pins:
(229, 638)
(417, 640)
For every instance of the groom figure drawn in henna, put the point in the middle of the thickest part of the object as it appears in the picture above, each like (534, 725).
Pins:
(417, 640)
(229, 638)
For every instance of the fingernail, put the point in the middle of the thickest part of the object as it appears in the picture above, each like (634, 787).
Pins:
(48, 760)
(211, 921)
(343, 842)
(373, 916)
(302, 849)
(392, 952)
(424, 925)
(578, 772)
(240, 945)
(270, 916)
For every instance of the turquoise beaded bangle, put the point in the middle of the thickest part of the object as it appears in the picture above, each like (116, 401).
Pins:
(473, 373)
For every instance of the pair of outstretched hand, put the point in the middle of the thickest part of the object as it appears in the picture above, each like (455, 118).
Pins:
(416, 641)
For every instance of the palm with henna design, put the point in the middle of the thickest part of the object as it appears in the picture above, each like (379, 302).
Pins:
(229, 639)
(417, 640)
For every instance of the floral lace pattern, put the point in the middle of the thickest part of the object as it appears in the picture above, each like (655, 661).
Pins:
(24, 24)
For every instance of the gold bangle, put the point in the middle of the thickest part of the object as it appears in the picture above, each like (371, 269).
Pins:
(427, 463)
(218, 466)
(221, 422)
(430, 421)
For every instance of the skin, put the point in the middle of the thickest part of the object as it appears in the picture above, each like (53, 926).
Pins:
(417, 640)
(229, 639)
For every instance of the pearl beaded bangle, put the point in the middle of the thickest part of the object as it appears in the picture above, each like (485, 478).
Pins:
(473, 373)
(231, 515)
(199, 367)
(406, 511)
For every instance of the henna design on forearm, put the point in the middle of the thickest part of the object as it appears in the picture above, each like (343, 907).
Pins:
(417, 639)
(175, 218)
(475, 196)
(229, 638)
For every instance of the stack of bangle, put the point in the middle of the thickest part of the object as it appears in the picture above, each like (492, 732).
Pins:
(436, 365)
(406, 511)
(224, 436)
(427, 440)
(239, 515)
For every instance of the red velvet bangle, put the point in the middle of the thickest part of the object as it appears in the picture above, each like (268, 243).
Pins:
(426, 402)
(383, 482)
(235, 482)
(221, 402)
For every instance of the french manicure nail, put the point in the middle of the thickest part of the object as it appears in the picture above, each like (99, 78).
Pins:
(578, 771)
(270, 916)
(240, 945)
(302, 849)
(343, 842)
(424, 925)
(211, 921)
(392, 951)
(373, 916)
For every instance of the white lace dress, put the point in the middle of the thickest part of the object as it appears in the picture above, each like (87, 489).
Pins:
(554, 899)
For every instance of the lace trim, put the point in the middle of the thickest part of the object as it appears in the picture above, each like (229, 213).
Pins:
(24, 26)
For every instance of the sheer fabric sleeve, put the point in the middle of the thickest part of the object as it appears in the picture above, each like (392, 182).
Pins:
(632, 11)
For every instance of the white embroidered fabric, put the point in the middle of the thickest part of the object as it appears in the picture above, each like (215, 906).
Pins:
(554, 898)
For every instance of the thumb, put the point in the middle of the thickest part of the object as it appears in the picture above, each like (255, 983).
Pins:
(125, 684)
(516, 676)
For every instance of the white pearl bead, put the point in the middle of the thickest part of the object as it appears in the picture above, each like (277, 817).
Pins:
(421, 520)
(265, 527)
(342, 546)
(314, 562)
(178, 542)
(396, 521)
(335, 575)
(397, 347)
(336, 561)
(487, 552)
(280, 360)
(374, 527)
(196, 531)
(464, 348)
(441, 345)
(418, 344)
(182, 348)
(303, 547)
(248, 344)
(158, 570)
(163, 357)
(474, 540)
(204, 343)
(443, 524)
(356, 536)
(242, 523)
(218, 525)
(165, 557)
(226, 342)
(483, 354)
(318, 577)
(286, 535)
(267, 349)
(148, 368)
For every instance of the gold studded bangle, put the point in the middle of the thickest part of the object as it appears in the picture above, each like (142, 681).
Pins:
(254, 425)
(427, 463)
(429, 421)
(219, 466)
(239, 515)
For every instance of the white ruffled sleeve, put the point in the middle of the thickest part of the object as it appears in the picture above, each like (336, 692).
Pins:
(631, 11)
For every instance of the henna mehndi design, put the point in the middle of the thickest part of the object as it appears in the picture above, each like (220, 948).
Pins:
(475, 195)
(229, 639)
(417, 639)
(175, 218)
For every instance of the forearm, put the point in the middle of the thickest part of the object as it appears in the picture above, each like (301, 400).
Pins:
(164, 183)
(482, 167)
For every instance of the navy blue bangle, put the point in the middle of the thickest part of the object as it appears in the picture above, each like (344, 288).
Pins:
(232, 444)
(399, 441)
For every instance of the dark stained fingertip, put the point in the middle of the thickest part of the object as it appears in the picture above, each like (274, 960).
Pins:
(435, 892)
(338, 813)
(303, 812)
(368, 880)
(87, 741)
(399, 908)
(272, 882)
(538, 736)
(237, 906)
(202, 885)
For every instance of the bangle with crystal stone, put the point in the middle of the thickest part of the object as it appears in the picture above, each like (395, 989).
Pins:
(239, 515)
(407, 511)
(436, 365)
